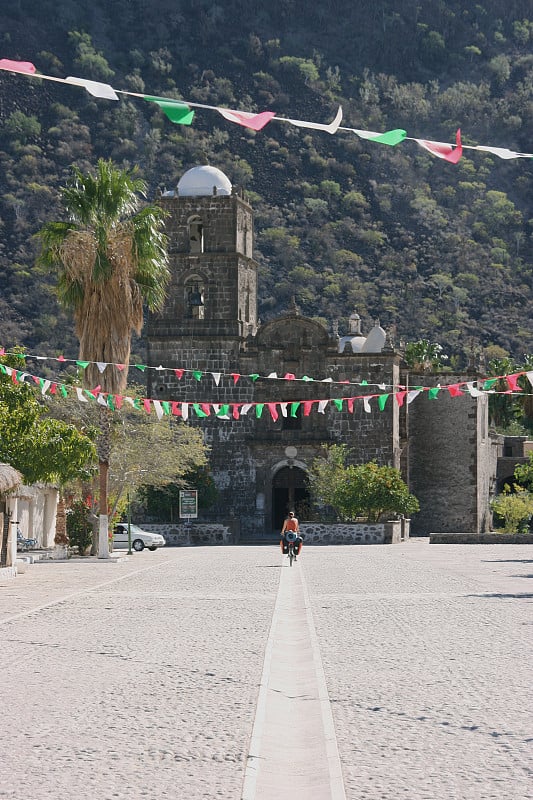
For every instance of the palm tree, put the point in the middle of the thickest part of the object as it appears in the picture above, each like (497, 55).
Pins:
(111, 259)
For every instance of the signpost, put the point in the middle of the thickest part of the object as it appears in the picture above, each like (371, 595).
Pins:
(189, 504)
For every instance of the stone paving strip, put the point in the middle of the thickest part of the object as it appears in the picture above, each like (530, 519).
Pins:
(293, 752)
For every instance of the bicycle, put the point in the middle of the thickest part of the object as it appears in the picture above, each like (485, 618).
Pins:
(292, 553)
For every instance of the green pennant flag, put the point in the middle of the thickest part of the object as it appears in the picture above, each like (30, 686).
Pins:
(197, 374)
(175, 110)
(110, 402)
(90, 394)
(223, 411)
(382, 400)
(165, 405)
(338, 402)
(20, 355)
(3, 369)
(294, 408)
(83, 364)
(142, 367)
(390, 137)
(363, 383)
(306, 378)
(432, 393)
(137, 404)
(199, 410)
(63, 390)
(259, 410)
(489, 383)
(254, 376)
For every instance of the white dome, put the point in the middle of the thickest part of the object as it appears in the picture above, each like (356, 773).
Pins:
(357, 343)
(203, 182)
(376, 340)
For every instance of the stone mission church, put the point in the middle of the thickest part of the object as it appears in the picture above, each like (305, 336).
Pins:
(260, 461)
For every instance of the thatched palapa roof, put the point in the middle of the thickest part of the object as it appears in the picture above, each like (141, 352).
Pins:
(9, 478)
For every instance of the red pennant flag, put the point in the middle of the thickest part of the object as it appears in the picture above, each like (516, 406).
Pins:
(147, 406)
(17, 66)
(454, 390)
(442, 150)
(120, 366)
(2, 351)
(289, 376)
(14, 376)
(512, 381)
(176, 408)
(247, 119)
(119, 399)
(400, 397)
(235, 376)
(53, 388)
(273, 411)
(179, 373)
(308, 405)
(61, 358)
(206, 408)
(350, 405)
(235, 412)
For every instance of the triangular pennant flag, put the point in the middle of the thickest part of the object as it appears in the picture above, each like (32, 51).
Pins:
(322, 405)
(442, 150)
(83, 364)
(53, 388)
(165, 405)
(158, 409)
(176, 408)
(332, 127)
(512, 381)
(216, 377)
(247, 119)
(474, 392)
(294, 408)
(283, 408)
(142, 367)
(366, 404)
(273, 411)
(308, 405)
(147, 405)
(119, 399)
(235, 376)
(81, 398)
(160, 368)
(338, 402)
(382, 401)
(137, 404)
(327, 380)
(273, 375)
(489, 383)
(529, 376)
(221, 411)
(245, 409)
(95, 88)
(17, 66)
(179, 373)
(502, 152)
(306, 378)
(259, 410)
(131, 401)
(61, 358)
(45, 386)
(432, 393)
(254, 376)
(101, 400)
(199, 410)
(400, 397)
(289, 376)
(206, 408)
(101, 366)
(412, 395)
(63, 390)
(197, 373)
(235, 411)
(111, 402)
(185, 410)
(391, 138)
(177, 112)
(454, 390)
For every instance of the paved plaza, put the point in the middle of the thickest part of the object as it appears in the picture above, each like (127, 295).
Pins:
(404, 671)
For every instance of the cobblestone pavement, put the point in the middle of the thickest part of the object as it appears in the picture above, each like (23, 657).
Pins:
(140, 679)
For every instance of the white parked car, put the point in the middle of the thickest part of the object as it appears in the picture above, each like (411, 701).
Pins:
(139, 538)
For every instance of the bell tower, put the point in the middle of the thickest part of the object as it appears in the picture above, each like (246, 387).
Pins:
(211, 304)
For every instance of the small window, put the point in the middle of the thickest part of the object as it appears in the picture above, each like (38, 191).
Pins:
(196, 235)
(194, 298)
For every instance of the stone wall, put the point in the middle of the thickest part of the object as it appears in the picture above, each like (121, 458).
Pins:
(481, 538)
(195, 534)
(315, 533)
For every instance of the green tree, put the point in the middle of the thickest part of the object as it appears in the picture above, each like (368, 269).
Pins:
(368, 490)
(110, 257)
(424, 355)
(515, 509)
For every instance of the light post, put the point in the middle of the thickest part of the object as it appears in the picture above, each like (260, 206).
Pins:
(129, 523)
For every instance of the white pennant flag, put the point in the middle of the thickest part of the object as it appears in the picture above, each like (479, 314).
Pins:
(95, 88)
(529, 376)
(216, 377)
(327, 380)
(366, 403)
(245, 409)
(158, 409)
(474, 392)
(322, 405)
(46, 385)
(283, 409)
(185, 410)
(412, 394)
(101, 366)
(130, 400)
(273, 375)
(332, 127)
(102, 400)
(81, 396)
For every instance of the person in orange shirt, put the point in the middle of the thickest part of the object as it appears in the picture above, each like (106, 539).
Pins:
(291, 525)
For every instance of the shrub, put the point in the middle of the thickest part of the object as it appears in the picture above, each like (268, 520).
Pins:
(514, 509)
(78, 527)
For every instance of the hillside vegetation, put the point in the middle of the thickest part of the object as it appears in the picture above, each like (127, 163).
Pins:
(434, 250)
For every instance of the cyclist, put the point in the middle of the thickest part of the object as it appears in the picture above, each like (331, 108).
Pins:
(291, 525)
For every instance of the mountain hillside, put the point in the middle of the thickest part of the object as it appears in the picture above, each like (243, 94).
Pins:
(433, 249)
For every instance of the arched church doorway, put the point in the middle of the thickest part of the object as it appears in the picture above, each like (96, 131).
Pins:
(289, 493)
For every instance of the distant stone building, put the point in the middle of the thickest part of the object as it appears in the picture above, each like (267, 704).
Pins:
(260, 455)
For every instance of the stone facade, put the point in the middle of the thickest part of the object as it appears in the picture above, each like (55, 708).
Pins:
(259, 464)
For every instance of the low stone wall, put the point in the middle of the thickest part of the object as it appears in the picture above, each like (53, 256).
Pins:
(481, 538)
(181, 535)
(315, 533)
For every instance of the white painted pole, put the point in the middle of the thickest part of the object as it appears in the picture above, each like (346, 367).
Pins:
(103, 537)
